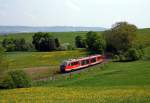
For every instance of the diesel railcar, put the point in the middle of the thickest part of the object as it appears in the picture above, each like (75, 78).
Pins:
(75, 64)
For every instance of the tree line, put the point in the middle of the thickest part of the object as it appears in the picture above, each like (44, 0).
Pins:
(119, 41)
(40, 42)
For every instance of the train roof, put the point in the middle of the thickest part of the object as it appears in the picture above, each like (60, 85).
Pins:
(82, 58)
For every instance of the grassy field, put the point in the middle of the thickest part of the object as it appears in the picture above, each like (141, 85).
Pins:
(36, 59)
(76, 95)
(40, 64)
(114, 82)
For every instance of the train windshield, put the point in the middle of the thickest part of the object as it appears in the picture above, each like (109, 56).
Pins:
(64, 63)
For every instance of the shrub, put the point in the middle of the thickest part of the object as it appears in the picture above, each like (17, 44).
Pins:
(65, 47)
(16, 79)
(116, 58)
(7, 83)
(80, 42)
(134, 54)
(122, 57)
(10, 48)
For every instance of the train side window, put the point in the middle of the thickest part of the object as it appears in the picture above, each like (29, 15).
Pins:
(84, 62)
(74, 63)
(87, 61)
(93, 60)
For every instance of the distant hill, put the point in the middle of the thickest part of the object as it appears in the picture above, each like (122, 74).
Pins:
(24, 29)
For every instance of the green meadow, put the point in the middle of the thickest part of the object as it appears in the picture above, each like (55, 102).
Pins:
(113, 82)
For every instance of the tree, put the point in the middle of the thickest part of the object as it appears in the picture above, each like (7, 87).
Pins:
(80, 42)
(91, 37)
(8, 44)
(44, 42)
(2, 61)
(14, 44)
(20, 44)
(57, 43)
(100, 44)
(1, 54)
(95, 42)
(120, 37)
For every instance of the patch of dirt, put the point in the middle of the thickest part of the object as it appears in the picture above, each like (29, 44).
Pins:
(34, 70)
(41, 73)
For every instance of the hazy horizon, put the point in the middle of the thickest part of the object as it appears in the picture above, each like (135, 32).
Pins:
(76, 13)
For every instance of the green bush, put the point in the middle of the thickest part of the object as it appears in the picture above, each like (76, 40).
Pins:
(134, 54)
(122, 57)
(131, 55)
(65, 47)
(16, 79)
(116, 58)
(80, 42)
(7, 83)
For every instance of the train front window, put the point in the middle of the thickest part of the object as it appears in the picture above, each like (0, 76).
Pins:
(64, 63)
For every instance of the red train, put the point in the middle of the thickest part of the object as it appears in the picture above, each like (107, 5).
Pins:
(75, 64)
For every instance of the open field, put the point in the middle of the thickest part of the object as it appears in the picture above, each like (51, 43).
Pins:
(115, 82)
(40, 64)
(76, 95)
(119, 82)
(36, 59)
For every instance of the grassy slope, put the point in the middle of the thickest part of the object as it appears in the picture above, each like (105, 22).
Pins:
(116, 83)
(36, 59)
(144, 36)
(40, 64)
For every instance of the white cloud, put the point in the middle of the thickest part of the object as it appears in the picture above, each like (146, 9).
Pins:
(2, 13)
(29, 15)
(72, 4)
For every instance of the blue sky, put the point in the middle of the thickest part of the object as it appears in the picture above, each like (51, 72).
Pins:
(102, 13)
